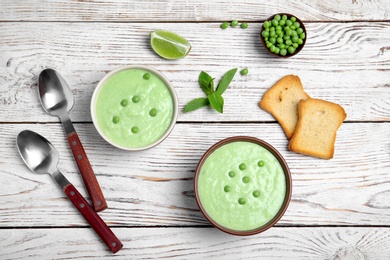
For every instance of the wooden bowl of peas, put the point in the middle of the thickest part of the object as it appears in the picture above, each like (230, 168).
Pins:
(283, 35)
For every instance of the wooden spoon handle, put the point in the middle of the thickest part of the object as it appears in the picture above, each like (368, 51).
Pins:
(100, 227)
(91, 183)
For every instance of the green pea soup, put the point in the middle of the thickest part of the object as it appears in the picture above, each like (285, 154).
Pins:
(242, 187)
(134, 107)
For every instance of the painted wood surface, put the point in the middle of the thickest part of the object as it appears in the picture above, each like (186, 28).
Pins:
(155, 187)
(346, 63)
(190, 11)
(339, 209)
(196, 243)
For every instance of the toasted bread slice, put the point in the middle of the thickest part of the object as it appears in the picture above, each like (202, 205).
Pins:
(316, 129)
(281, 101)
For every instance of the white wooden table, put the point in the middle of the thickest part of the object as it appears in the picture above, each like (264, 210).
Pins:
(340, 209)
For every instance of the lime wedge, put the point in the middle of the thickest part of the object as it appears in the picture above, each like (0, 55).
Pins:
(169, 45)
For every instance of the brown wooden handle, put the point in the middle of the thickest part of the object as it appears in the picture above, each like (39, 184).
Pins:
(91, 183)
(100, 227)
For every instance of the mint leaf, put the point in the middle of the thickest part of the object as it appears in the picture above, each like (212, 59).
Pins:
(214, 97)
(225, 81)
(216, 101)
(206, 83)
(196, 103)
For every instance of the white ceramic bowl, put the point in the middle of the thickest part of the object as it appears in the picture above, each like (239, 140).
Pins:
(100, 86)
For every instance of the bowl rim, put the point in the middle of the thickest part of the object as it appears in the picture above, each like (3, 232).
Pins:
(299, 47)
(99, 86)
(286, 171)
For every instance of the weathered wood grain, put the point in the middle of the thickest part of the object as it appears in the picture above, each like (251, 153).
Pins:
(347, 63)
(199, 243)
(155, 187)
(339, 208)
(185, 10)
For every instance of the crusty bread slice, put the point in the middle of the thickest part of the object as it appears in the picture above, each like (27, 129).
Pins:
(281, 101)
(316, 129)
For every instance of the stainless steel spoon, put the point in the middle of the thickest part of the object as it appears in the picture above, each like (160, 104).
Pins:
(57, 100)
(42, 158)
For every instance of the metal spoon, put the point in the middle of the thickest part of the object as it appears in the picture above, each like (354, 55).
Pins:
(57, 100)
(42, 158)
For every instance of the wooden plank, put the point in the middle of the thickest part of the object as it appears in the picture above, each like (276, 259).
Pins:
(346, 63)
(184, 10)
(199, 243)
(155, 187)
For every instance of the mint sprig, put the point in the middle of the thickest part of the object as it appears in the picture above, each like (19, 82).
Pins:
(214, 96)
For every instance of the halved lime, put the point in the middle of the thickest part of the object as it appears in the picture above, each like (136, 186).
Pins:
(169, 45)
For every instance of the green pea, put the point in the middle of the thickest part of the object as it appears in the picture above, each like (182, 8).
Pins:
(225, 25)
(260, 163)
(283, 52)
(299, 31)
(226, 188)
(256, 193)
(272, 33)
(244, 25)
(153, 112)
(277, 17)
(292, 27)
(289, 32)
(294, 33)
(265, 34)
(286, 37)
(279, 40)
(291, 50)
(146, 76)
(277, 50)
(293, 19)
(289, 23)
(295, 45)
(302, 35)
(242, 166)
(134, 129)
(135, 99)
(280, 33)
(288, 42)
(297, 25)
(300, 41)
(232, 174)
(278, 28)
(234, 23)
(284, 17)
(124, 102)
(275, 23)
(244, 71)
(282, 46)
(282, 22)
(115, 119)
(269, 44)
(272, 49)
(272, 28)
(245, 179)
(294, 39)
(241, 201)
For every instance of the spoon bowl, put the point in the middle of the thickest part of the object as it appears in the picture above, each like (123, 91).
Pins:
(55, 100)
(37, 153)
